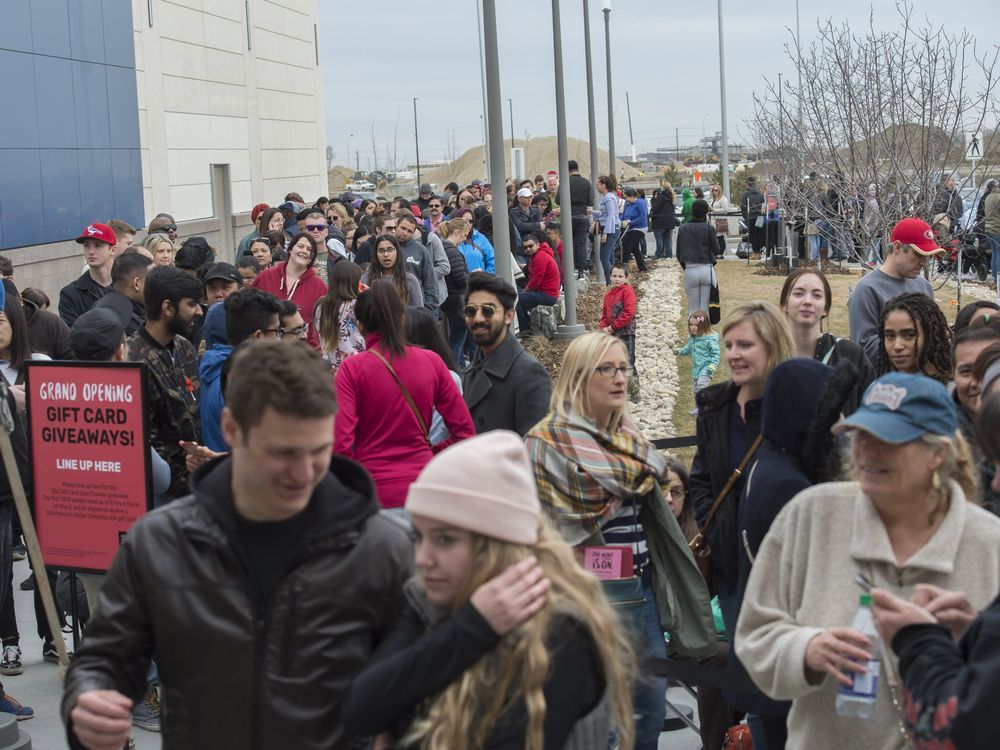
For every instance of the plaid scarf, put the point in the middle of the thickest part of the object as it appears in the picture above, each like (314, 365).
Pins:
(585, 473)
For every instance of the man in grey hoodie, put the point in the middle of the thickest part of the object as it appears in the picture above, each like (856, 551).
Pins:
(417, 257)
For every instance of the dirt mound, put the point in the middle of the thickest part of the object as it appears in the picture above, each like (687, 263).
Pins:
(337, 179)
(540, 155)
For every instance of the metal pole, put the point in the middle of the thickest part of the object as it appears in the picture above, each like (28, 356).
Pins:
(570, 329)
(631, 138)
(677, 145)
(416, 138)
(482, 76)
(611, 108)
(722, 93)
(591, 116)
(510, 108)
(494, 122)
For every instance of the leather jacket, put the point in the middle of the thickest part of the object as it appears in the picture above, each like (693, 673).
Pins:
(234, 672)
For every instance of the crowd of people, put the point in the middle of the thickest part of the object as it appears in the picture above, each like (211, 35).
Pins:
(378, 515)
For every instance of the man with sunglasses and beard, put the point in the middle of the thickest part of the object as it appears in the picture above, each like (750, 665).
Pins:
(172, 306)
(505, 388)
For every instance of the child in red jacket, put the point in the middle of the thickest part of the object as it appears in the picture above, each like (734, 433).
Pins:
(618, 314)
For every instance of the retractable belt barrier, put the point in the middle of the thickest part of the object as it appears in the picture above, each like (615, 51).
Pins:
(687, 441)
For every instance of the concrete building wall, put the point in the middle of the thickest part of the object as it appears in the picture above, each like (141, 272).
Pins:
(210, 92)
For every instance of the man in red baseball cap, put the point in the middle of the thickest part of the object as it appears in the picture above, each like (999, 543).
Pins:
(913, 243)
(78, 296)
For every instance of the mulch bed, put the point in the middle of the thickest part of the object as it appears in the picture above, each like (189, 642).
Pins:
(588, 312)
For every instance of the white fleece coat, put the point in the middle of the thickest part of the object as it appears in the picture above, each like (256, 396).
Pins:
(803, 581)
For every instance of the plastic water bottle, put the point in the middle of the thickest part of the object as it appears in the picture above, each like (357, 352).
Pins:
(858, 700)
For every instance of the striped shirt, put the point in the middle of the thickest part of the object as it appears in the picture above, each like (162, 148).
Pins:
(623, 530)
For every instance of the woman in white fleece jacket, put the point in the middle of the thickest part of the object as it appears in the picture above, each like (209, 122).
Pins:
(906, 520)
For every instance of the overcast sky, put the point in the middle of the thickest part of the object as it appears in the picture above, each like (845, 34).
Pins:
(377, 56)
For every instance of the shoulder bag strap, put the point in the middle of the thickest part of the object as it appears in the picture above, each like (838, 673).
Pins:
(829, 352)
(699, 538)
(406, 395)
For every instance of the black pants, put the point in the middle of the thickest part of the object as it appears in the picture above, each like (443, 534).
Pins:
(580, 254)
(771, 236)
(756, 235)
(633, 245)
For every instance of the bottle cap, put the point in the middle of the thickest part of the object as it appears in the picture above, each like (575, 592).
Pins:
(866, 600)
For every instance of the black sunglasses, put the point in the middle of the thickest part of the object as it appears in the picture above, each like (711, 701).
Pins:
(488, 310)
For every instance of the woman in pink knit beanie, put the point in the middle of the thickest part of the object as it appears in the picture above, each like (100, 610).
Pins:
(503, 638)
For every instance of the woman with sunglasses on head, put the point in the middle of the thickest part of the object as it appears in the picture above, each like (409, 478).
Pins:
(718, 205)
(600, 482)
(909, 517)
(388, 264)
(386, 396)
(296, 280)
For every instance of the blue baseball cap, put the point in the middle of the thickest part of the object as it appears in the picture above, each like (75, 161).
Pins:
(900, 408)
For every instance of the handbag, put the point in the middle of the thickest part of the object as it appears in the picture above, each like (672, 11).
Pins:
(406, 395)
(722, 226)
(738, 738)
(744, 250)
(699, 544)
(714, 305)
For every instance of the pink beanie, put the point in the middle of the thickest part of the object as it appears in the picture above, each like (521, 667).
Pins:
(484, 484)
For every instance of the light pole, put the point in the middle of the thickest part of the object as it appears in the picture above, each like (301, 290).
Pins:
(722, 95)
(349, 136)
(591, 117)
(482, 75)
(494, 124)
(416, 138)
(510, 107)
(571, 329)
(611, 108)
(798, 64)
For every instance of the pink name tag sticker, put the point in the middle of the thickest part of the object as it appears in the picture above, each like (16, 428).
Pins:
(608, 562)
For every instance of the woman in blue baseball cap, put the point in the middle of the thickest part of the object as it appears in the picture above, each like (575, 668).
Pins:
(907, 518)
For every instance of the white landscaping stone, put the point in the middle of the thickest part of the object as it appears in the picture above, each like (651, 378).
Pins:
(656, 327)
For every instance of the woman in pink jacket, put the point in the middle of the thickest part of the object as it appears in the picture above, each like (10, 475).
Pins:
(295, 280)
(386, 395)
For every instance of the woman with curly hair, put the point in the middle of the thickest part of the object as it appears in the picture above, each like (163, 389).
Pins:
(503, 640)
(915, 338)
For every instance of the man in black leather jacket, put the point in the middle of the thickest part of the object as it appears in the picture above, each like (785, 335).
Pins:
(261, 594)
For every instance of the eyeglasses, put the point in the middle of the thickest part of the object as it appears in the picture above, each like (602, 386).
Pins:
(488, 310)
(677, 493)
(434, 205)
(315, 227)
(609, 370)
(386, 250)
(278, 332)
(299, 332)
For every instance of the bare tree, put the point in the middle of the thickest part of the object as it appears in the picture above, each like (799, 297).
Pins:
(371, 135)
(329, 158)
(881, 120)
(451, 147)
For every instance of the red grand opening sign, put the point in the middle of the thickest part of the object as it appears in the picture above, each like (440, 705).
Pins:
(90, 459)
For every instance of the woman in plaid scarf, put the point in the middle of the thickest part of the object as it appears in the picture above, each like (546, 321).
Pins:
(594, 470)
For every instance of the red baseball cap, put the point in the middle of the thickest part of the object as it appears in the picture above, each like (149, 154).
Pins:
(99, 232)
(918, 234)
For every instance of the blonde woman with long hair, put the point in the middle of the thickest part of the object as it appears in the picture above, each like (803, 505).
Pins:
(503, 640)
(601, 482)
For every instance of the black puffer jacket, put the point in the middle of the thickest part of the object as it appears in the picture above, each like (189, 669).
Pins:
(457, 280)
(235, 674)
(662, 214)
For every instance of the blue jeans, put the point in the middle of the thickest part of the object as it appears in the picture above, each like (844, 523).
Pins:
(607, 248)
(994, 256)
(664, 242)
(528, 301)
(649, 692)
